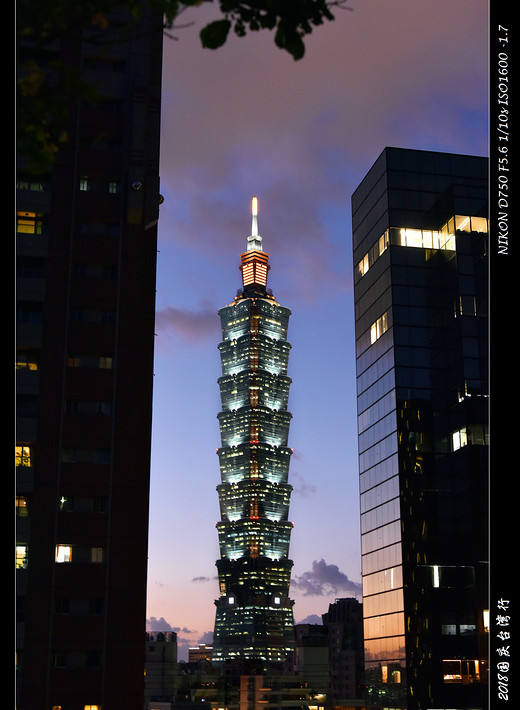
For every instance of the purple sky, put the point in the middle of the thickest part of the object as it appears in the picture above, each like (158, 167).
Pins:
(248, 120)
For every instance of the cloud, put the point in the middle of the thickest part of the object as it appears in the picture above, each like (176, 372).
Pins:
(190, 326)
(155, 624)
(324, 579)
(161, 624)
(300, 486)
(202, 579)
(207, 637)
(311, 619)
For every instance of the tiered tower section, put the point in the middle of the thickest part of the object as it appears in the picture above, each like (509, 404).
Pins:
(254, 618)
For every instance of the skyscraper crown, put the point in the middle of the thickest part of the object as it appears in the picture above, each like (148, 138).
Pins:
(254, 263)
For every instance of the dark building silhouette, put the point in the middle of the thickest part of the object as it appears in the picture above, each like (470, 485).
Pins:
(420, 233)
(86, 268)
(160, 668)
(344, 624)
(254, 618)
(311, 657)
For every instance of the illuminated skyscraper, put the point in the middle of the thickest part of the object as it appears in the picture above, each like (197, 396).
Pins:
(420, 237)
(254, 618)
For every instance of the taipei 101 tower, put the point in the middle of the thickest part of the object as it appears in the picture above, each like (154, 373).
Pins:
(254, 618)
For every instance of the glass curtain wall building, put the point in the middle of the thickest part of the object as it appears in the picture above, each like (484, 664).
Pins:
(420, 286)
(254, 618)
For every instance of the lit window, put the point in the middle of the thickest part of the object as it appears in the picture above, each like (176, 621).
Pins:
(411, 237)
(83, 183)
(23, 455)
(459, 439)
(378, 328)
(460, 671)
(90, 361)
(27, 360)
(21, 507)
(21, 556)
(462, 223)
(363, 265)
(97, 554)
(29, 223)
(63, 553)
(479, 224)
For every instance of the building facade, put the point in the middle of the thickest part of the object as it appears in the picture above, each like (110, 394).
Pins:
(344, 624)
(86, 267)
(160, 669)
(420, 230)
(254, 618)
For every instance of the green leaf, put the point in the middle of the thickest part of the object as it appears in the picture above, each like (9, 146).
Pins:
(215, 34)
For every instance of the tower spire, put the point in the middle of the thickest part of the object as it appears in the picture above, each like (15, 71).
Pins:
(254, 262)
(254, 241)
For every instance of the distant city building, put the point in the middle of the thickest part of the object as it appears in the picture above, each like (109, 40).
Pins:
(420, 233)
(160, 669)
(202, 652)
(254, 618)
(86, 276)
(344, 624)
(311, 656)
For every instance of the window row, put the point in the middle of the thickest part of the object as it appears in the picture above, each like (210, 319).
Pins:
(376, 391)
(37, 223)
(380, 493)
(383, 581)
(378, 431)
(85, 456)
(422, 238)
(383, 514)
(111, 187)
(472, 434)
(26, 406)
(67, 504)
(385, 625)
(91, 315)
(377, 453)
(77, 659)
(382, 471)
(384, 558)
(75, 406)
(63, 554)
(461, 671)
(32, 312)
(77, 553)
(386, 535)
(377, 411)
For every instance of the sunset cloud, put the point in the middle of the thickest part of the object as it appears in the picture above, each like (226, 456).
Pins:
(324, 579)
(189, 326)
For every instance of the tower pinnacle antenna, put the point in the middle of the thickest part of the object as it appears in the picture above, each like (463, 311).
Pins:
(254, 241)
(254, 214)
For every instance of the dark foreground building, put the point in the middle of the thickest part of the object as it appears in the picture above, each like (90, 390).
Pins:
(420, 283)
(86, 264)
(254, 618)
